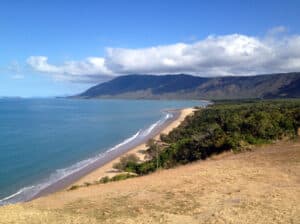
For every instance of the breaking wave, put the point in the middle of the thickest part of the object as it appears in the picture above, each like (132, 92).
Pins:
(29, 192)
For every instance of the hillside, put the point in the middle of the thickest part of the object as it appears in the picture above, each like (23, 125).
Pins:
(229, 176)
(258, 186)
(285, 85)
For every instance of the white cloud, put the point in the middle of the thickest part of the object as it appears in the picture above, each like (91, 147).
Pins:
(234, 55)
(88, 69)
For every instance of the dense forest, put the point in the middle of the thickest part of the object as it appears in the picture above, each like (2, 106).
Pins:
(219, 127)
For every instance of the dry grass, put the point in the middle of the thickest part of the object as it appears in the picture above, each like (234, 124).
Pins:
(261, 186)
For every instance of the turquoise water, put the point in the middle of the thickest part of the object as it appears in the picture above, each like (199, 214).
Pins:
(42, 139)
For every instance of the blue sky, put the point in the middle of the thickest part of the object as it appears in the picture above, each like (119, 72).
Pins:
(50, 48)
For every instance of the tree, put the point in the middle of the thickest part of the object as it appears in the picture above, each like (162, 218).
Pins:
(153, 150)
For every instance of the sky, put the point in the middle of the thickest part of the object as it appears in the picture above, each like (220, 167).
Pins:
(57, 48)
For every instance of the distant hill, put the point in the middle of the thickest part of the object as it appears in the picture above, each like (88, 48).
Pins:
(181, 86)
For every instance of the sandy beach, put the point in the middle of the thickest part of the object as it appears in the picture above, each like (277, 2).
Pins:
(104, 166)
(108, 170)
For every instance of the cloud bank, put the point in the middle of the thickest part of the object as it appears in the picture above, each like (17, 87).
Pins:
(227, 55)
(91, 68)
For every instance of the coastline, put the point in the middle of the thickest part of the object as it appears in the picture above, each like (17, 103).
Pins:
(104, 165)
(108, 170)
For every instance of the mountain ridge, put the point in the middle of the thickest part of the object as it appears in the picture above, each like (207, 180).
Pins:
(184, 86)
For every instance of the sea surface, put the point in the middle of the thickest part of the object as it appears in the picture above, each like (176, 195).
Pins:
(43, 140)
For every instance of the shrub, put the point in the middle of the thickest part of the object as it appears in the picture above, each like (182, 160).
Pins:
(73, 187)
(146, 167)
(163, 137)
(125, 160)
(104, 180)
(87, 184)
(122, 176)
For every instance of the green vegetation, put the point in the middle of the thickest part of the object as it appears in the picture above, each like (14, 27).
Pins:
(104, 180)
(73, 187)
(225, 125)
(87, 184)
(221, 127)
(122, 176)
(126, 162)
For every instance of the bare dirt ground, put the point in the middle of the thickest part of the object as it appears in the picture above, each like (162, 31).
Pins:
(259, 186)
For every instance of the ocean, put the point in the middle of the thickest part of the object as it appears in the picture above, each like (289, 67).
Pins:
(45, 140)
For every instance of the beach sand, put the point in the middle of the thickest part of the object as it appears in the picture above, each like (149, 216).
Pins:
(108, 170)
(104, 165)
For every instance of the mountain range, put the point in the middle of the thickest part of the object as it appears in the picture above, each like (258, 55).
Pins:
(183, 86)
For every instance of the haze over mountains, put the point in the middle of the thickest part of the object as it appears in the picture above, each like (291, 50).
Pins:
(182, 86)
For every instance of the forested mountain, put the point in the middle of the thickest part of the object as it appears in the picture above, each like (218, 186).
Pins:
(182, 86)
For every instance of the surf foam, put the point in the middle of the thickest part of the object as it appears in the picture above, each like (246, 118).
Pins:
(29, 192)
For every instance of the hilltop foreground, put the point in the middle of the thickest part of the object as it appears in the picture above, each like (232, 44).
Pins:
(258, 186)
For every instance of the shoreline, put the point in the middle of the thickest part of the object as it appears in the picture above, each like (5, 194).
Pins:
(108, 170)
(104, 166)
